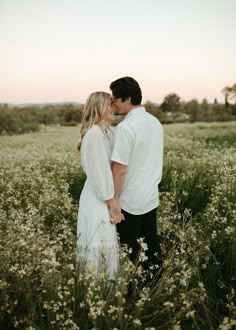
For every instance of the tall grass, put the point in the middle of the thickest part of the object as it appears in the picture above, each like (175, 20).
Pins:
(40, 287)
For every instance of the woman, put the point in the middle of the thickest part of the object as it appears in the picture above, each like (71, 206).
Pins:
(97, 243)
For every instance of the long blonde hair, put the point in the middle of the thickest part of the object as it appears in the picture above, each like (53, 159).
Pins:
(94, 113)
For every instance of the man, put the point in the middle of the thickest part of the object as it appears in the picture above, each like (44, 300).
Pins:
(137, 168)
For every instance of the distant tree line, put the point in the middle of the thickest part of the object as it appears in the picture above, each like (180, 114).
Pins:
(173, 110)
(32, 118)
(19, 120)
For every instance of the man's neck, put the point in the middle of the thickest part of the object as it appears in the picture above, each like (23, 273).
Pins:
(132, 107)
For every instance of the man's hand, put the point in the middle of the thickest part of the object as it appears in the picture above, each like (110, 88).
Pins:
(116, 218)
(115, 211)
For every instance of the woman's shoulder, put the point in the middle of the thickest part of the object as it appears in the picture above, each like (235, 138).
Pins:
(93, 131)
(91, 137)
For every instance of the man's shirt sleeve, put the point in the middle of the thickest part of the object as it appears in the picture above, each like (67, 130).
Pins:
(123, 145)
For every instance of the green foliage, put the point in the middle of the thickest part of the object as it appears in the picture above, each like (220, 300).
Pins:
(171, 103)
(229, 93)
(20, 120)
(70, 115)
(17, 122)
(40, 286)
(193, 109)
(159, 115)
(155, 111)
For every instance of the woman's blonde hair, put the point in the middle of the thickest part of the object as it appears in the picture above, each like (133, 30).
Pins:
(94, 112)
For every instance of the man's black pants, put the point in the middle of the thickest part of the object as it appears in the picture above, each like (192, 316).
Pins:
(136, 226)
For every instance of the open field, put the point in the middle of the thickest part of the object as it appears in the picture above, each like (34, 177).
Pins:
(40, 184)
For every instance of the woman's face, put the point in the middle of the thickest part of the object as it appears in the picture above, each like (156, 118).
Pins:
(109, 114)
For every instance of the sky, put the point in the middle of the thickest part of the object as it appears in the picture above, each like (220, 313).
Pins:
(63, 50)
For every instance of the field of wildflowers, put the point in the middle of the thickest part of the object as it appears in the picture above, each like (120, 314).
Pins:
(40, 287)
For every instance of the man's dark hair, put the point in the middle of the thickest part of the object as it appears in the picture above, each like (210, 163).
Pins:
(127, 87)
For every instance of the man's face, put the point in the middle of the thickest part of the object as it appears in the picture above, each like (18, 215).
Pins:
(120, 106)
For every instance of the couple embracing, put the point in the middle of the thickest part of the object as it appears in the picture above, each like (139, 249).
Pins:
(123, 165)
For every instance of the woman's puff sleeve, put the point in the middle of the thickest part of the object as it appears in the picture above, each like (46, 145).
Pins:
(97, 165)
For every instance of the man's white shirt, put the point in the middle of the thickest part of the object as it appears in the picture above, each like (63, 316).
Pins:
(139, 146)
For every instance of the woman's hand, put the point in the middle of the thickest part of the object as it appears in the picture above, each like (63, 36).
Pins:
(115, 211)
(114, 218)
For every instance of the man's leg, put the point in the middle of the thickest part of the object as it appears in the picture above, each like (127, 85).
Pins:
(149, 232)
(129, 231)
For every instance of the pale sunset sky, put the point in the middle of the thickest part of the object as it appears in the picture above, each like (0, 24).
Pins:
(62, 50)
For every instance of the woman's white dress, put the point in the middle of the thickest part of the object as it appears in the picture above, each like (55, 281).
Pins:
(97, 243)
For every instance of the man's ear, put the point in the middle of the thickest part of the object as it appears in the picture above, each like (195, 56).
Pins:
(128, 100)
